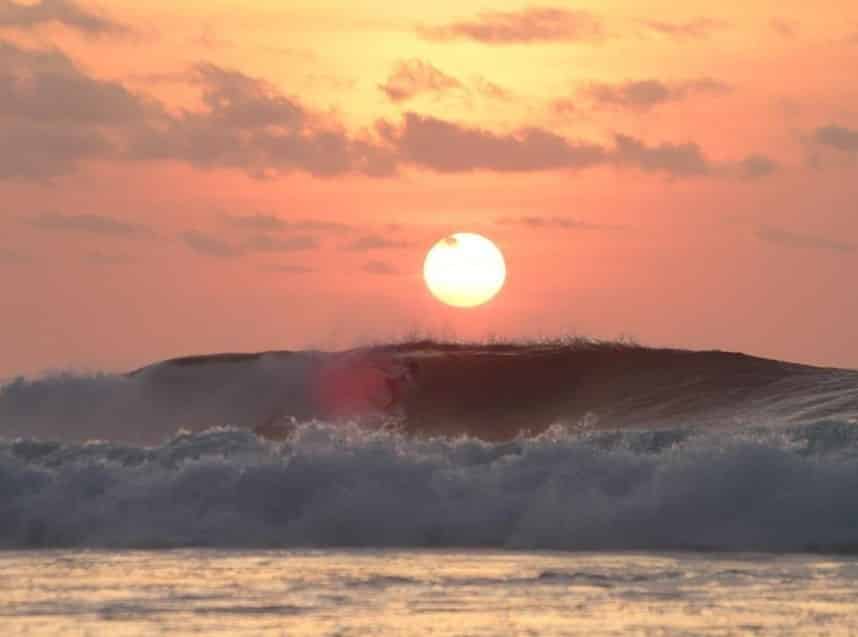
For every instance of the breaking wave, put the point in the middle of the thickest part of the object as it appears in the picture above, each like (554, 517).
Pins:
(328, 485)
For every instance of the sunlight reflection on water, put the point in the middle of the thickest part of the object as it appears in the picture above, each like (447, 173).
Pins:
(392, 592)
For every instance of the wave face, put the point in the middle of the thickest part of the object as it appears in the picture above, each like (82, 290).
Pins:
(343, 485)
(491, 392)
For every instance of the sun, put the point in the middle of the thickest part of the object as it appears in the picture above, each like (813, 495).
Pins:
(464, 270)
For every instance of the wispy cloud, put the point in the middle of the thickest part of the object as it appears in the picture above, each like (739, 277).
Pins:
(647, 94)
(371, 242)
(289, 269)
(274, 223)
(555, 223)
(381, 268)
(837, 137)
(700, 28)
(268, 243)
(784, 28)
(91, 224)
(65, 12)
(8, 256)
(108, 259)
(215, 246)
(415, 77)
(209, 245)
(537, 24)
(780, 236)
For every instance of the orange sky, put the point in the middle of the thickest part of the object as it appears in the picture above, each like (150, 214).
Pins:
(234, 175)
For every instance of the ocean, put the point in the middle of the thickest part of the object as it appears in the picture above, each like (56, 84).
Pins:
(531, 490)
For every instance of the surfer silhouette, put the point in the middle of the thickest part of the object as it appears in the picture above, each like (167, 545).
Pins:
(354, 386)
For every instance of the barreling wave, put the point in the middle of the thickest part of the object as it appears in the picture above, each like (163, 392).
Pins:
(493, 392)
(791, 489)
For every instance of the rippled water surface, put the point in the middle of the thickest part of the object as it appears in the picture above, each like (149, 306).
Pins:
(393, 592)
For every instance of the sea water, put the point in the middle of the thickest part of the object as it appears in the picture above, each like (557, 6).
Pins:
(424, 592)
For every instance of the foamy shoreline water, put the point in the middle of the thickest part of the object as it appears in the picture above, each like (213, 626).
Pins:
(390, 592)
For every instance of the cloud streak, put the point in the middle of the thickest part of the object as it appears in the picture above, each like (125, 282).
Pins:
(533, 25)
(65, 12)
(90, 224)
(380, 268)
(647, 94)
(698, 29)
(837, 137)
(782, 237)
(373, 242)
(555, 223)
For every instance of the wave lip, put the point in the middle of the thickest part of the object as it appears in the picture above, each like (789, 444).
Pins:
(489, 391)
(342, 486)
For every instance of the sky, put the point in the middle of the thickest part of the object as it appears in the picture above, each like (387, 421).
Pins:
(225, 175)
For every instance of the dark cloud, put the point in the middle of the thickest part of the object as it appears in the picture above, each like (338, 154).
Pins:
(268, 243)
(90, 223)
(779, 236)
(677, 160)
(756, 166)
(273, 223)
(382, 268)
(415, 77)
(208, 245)
(532, 25)
(554, 223)
(248, 125)
(837, 137)
(214, 246)
(700, 28)
(54, 115)
(447, 147)
(373, 242)
(65, 12)
(646, 94)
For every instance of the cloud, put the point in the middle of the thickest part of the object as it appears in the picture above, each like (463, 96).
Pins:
(8, 256)
(447, 147)
(779, 236)
(208, 245)
(491, 90)
(373, 242)
(213, 246)
(414, 77)
(554, 223)
(106, 259)
(91, 224)
(248, 125)
(382, 268)
(289, 269)
(784, 28)
(698, 29)
(54, 114)
(646, 94)
(837, 137)
(756, 166)
(65, 12)
(273, 223)
(538, 24)
(677, 160)
(267, 243)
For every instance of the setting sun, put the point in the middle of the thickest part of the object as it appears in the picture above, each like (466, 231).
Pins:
(465, 270)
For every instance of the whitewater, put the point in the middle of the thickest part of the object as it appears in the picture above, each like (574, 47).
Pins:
(421, 487)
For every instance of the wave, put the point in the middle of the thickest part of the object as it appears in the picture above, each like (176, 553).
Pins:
(326, 485)
(489, 391)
